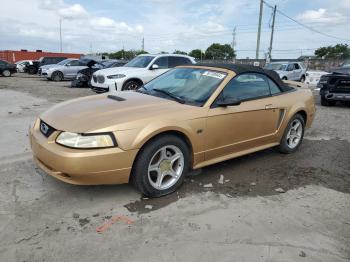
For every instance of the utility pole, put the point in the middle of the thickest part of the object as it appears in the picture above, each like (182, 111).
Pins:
(259, 29)
(272, 31)
(60, 35)
(234, 40)
(143, 44)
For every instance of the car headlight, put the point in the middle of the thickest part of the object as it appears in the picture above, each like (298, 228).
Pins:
(86, 141)
(117, 76)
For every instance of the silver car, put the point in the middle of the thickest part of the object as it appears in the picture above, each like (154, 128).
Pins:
(295, 71)
(66, 69)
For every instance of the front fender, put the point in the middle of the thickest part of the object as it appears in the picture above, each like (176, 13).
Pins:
(136, 138)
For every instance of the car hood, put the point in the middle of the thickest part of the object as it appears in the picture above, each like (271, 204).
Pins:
(280, 72)
(98, 113)
(120, 70)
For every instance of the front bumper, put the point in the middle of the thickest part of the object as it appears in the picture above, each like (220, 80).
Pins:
(335, 96)
(109, 85)
(80, 167)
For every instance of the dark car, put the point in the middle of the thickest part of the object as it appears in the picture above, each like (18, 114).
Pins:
(84, 76)
(33, 68)
(335, 86)
(6, 69)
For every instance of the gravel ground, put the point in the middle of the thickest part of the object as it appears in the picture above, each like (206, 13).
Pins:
(260, 207)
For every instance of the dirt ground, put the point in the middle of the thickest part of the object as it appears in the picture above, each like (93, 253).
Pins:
(244, 218)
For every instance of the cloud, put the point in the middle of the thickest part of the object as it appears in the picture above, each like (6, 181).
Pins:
(321, 15)
(75, 11)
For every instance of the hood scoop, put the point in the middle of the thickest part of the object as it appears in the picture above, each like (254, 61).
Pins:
(117, 98)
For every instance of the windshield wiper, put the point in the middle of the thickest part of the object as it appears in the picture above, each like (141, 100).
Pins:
(178, 99)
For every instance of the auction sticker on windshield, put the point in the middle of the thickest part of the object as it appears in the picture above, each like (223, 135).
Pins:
(214, 74)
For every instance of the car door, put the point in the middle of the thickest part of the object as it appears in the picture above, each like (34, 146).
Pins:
(290, 72)
(163, 66)
(71, 69)
(297, 71)
(248, 125)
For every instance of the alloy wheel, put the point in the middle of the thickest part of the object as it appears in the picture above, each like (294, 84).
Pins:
(294, 134)
(6, 73)
(166, 167)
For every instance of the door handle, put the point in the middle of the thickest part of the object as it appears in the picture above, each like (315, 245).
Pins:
(269, 106)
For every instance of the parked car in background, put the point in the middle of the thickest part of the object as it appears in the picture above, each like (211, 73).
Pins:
(50, 60)
(188, 118)
(83, 77)
(137, 72)
(314, 76)
(33, 68)
(295, 71)
(20, 65)
(335, 86)
(66, 69)
(7, 69)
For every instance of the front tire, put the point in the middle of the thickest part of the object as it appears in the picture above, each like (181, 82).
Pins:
(302, 79)
(284, 78)
(131, 85)
(6, 73)
(57, 76)
(293, 135)
(161, 166)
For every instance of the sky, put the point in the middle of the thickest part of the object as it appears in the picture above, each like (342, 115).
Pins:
(168, 25)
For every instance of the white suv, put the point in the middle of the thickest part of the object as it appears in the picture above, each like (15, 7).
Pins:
(295, 71)
(137, 72)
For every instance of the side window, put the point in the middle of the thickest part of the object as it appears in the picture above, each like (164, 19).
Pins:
(162, 62)
(247, 86)
(274, 89)
(74, 63)
(296, 66)
(290, 67)
(176, 61)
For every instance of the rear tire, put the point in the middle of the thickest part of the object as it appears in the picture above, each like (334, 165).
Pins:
(284, 78)
(131, 85)
(161, 166)
(32, 70)
(302, 79)
(57, 76)
(6, 73)
(293, 135)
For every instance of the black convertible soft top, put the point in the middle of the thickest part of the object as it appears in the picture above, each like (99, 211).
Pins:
(240, 69)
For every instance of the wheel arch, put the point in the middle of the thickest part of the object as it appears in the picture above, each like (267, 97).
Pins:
(179, 133)
(132, 79)
(55, 72)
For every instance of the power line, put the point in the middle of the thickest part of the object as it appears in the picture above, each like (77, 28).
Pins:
(304, 25)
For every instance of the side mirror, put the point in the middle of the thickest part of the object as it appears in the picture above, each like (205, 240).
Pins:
(68, 65)
(154, 66)
(228, 101)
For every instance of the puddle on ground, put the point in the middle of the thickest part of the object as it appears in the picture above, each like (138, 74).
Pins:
(265, 173)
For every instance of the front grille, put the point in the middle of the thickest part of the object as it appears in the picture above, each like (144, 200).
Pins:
(100, 79)
(46, 129)
(94, 77)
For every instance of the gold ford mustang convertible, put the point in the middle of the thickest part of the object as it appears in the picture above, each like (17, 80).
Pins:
(188, 118)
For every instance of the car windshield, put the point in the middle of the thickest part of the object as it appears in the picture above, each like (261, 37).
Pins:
(140, 61)
(63, 62)
(108, 63)
(186, 85)
(282, 67)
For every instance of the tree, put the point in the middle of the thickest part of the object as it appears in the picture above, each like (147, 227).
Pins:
(338, 51)
(126, 54)
(197, 54)
(179, 52)
(218, 51)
